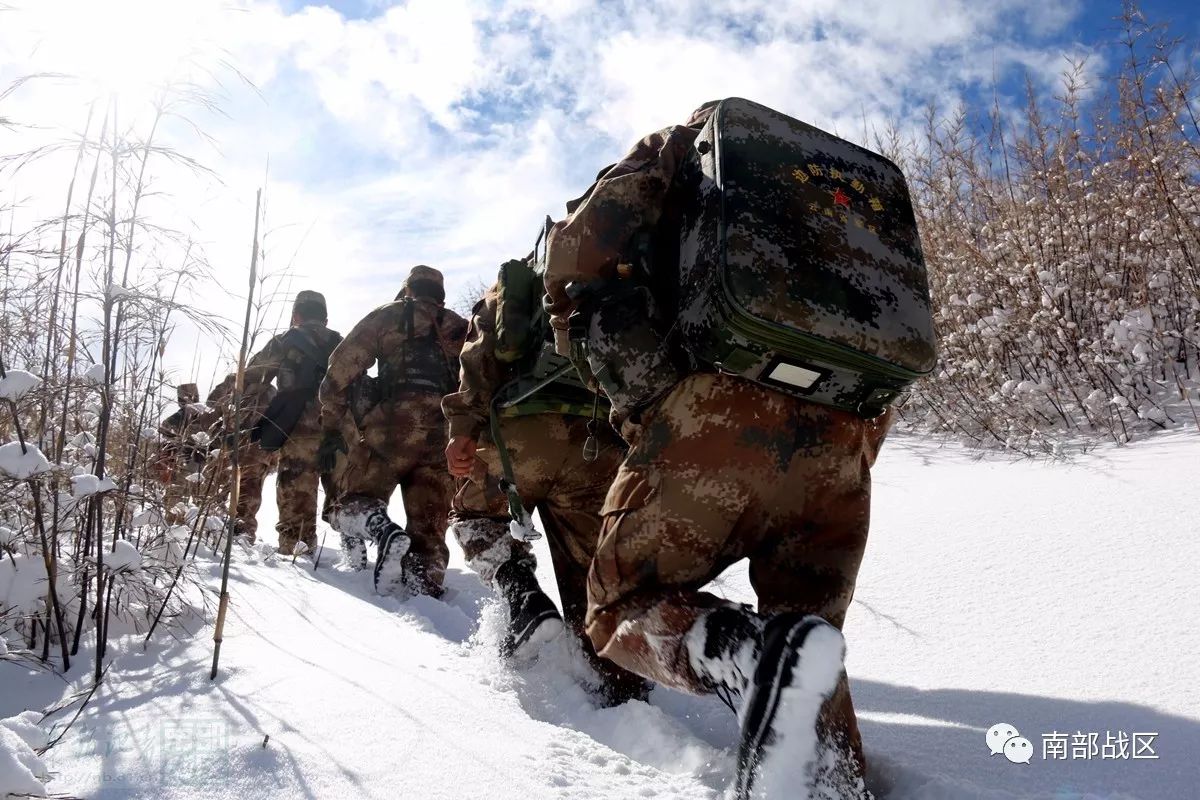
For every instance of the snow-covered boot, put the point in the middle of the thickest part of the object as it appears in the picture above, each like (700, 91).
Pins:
(417, 580)
(618, 687)
(354, 551)
(393, 546)
(723, 647)
(799, 664)
(360, 521)
(243, 531)
(533, 619)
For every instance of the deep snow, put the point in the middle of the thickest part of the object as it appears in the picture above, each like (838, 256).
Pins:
(1053, 597)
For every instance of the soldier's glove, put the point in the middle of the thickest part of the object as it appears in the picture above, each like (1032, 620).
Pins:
(327, 453)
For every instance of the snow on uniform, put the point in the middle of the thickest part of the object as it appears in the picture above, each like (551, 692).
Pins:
(416, 342)
(719, 469)
(546, 451)
(178, 455)
(254, 463)
(296, 487)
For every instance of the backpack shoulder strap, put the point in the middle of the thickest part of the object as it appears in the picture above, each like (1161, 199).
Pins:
(302, 341)
(315, 356)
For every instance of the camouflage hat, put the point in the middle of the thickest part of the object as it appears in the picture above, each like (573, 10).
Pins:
(310, 302)
(187, 393)
(424, 273)
(423, 281)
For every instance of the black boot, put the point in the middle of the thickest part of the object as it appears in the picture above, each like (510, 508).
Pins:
(416, 578)
(723, 648)
(393, 546)
(533, 619)
(377, 525)
(798, 666)
(359, 521)
(354, 551)
(618, 686)
(615, 685)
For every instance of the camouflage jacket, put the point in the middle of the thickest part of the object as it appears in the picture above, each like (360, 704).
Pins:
(416, 343)
(627, 197)
(256, 396)
(287, 364)
(178, 431)
(481, 374)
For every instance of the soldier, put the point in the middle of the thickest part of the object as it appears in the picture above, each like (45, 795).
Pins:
(720, 469)
(181, 457)
(254, 463)
(401, 435)
(296, 361)
(545, 437)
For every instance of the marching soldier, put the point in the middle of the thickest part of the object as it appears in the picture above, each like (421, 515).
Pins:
(181, 457)
(545, 437)
(720, 469)
(401, 434)
(295, 361)
(254, 463)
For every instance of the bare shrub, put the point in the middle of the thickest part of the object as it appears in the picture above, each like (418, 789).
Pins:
(1063, 246)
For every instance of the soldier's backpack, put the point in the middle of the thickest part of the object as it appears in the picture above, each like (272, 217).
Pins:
(288, 405)
(800, 264)
(544, 382)
(422, 364)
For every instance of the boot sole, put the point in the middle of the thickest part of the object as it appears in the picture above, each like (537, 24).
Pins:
(389, 573)
(803, 671)
(541, 630)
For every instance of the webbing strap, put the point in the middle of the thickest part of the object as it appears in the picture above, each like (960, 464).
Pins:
(508, 483)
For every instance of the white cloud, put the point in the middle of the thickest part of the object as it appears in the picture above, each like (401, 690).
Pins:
(441, 131)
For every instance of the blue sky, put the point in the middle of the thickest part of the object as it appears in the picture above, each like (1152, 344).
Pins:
(441, 131)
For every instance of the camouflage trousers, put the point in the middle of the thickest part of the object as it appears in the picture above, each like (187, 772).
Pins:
(567, 491)
(719, 470)
(251, 478)
(296, 491)
(402, 447)
(254, 465)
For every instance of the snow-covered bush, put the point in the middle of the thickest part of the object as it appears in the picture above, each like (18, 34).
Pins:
(88, 549)
(1064, 252)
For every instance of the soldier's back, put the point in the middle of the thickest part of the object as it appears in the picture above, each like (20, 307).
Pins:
(417, 344)
(304, 358)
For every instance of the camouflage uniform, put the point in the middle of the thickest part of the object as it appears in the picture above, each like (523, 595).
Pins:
(180, 457)
(545, 447)
(416, 342)
(285, 362)
(719, 469)
(254, 463)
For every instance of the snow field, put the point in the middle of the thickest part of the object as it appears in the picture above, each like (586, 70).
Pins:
(1054, 597)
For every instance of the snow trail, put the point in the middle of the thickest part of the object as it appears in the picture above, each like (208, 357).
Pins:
(1056, 597)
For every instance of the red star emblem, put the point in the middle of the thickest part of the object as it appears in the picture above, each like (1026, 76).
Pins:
(840, 198)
